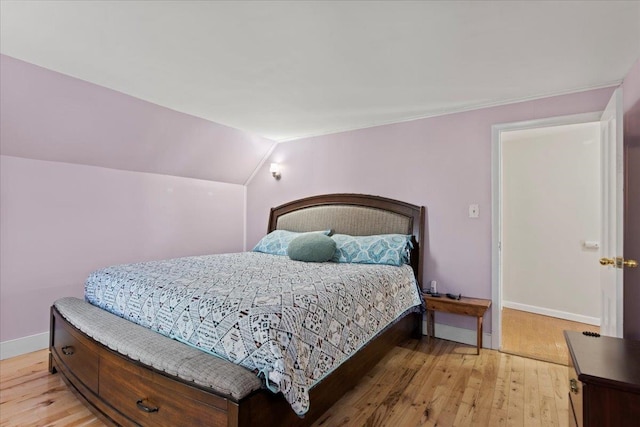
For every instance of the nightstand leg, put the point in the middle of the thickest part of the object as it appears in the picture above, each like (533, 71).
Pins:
(431, 330)
(479, 338)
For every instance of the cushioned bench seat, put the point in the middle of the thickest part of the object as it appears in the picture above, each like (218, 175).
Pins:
(157, 351)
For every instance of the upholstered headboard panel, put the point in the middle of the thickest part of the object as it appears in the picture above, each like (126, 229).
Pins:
(345, 219)
(354, 214)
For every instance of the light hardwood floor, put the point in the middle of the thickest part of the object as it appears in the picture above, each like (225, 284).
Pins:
(538, 337)
(440, 383)
(30, 396)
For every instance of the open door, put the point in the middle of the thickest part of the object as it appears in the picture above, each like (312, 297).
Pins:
(632, 212)
(613, 262)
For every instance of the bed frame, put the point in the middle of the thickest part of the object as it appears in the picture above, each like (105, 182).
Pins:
(126, 392)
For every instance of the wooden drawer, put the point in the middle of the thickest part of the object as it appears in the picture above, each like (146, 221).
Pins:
(79, 357)
(150, 399)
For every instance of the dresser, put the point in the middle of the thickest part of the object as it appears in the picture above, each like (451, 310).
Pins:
(604, 381)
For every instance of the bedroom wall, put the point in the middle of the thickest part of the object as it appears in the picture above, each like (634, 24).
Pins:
(92, 177)
(61, 221)
(443, 163)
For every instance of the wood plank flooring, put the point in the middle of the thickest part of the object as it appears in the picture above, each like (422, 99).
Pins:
(537, 336)
(30, 396)
(440, 383)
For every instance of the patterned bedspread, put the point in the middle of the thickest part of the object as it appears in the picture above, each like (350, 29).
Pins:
(291, 322)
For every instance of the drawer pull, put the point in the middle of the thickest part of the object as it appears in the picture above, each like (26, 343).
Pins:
(68, 350)
(145, 408)
(573, 385)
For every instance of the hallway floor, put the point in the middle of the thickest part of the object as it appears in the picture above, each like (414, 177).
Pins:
(537, 336)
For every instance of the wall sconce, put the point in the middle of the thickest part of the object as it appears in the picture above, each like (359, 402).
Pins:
(275, 170)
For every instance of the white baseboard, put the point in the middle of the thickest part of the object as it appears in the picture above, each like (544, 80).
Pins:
(23, 345)
(553, 313)
(461, 335)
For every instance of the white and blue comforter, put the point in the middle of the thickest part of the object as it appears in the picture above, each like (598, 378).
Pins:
(291, 321)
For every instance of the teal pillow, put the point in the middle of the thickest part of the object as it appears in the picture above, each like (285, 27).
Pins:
(389, 249)
(277, 242)
(312, 247)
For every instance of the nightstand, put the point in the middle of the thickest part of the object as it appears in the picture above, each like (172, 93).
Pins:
(468, 306)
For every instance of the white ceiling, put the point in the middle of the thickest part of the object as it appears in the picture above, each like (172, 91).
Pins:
(290, 69)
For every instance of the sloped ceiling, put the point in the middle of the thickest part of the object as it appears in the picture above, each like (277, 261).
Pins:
(284, 70)
(45, 115)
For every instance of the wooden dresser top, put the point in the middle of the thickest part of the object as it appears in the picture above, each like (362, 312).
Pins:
(606, 361)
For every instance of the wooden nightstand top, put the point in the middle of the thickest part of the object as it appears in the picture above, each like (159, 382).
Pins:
(465, 305)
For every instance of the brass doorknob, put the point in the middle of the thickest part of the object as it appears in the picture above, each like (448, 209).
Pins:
(631, 263)
(619, 262)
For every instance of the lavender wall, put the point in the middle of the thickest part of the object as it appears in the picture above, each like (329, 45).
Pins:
(443, 163)
(61, 221)
(631, 120)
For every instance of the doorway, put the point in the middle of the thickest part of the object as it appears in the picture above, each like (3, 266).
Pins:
(551, 227)
(535, 206)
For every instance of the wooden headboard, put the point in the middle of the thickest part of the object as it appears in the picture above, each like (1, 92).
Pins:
(356, 215)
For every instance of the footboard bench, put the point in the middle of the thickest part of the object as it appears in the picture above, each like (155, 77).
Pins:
(169, 383)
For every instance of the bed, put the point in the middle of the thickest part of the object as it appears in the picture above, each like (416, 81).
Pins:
(131, 374)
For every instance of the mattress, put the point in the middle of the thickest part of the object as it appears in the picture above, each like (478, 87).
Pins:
(290, 322)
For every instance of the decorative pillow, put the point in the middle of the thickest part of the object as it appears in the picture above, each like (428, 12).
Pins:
(312, 247)
(391, 249)
(277, 242)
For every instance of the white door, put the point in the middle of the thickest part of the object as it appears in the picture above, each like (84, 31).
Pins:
(611, 276)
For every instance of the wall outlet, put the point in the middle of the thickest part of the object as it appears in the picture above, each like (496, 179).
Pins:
(474, 211)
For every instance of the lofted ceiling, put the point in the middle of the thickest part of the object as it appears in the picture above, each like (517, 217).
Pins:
(290, 69)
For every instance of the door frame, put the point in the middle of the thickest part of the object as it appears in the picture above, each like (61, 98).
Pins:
(496, 204)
